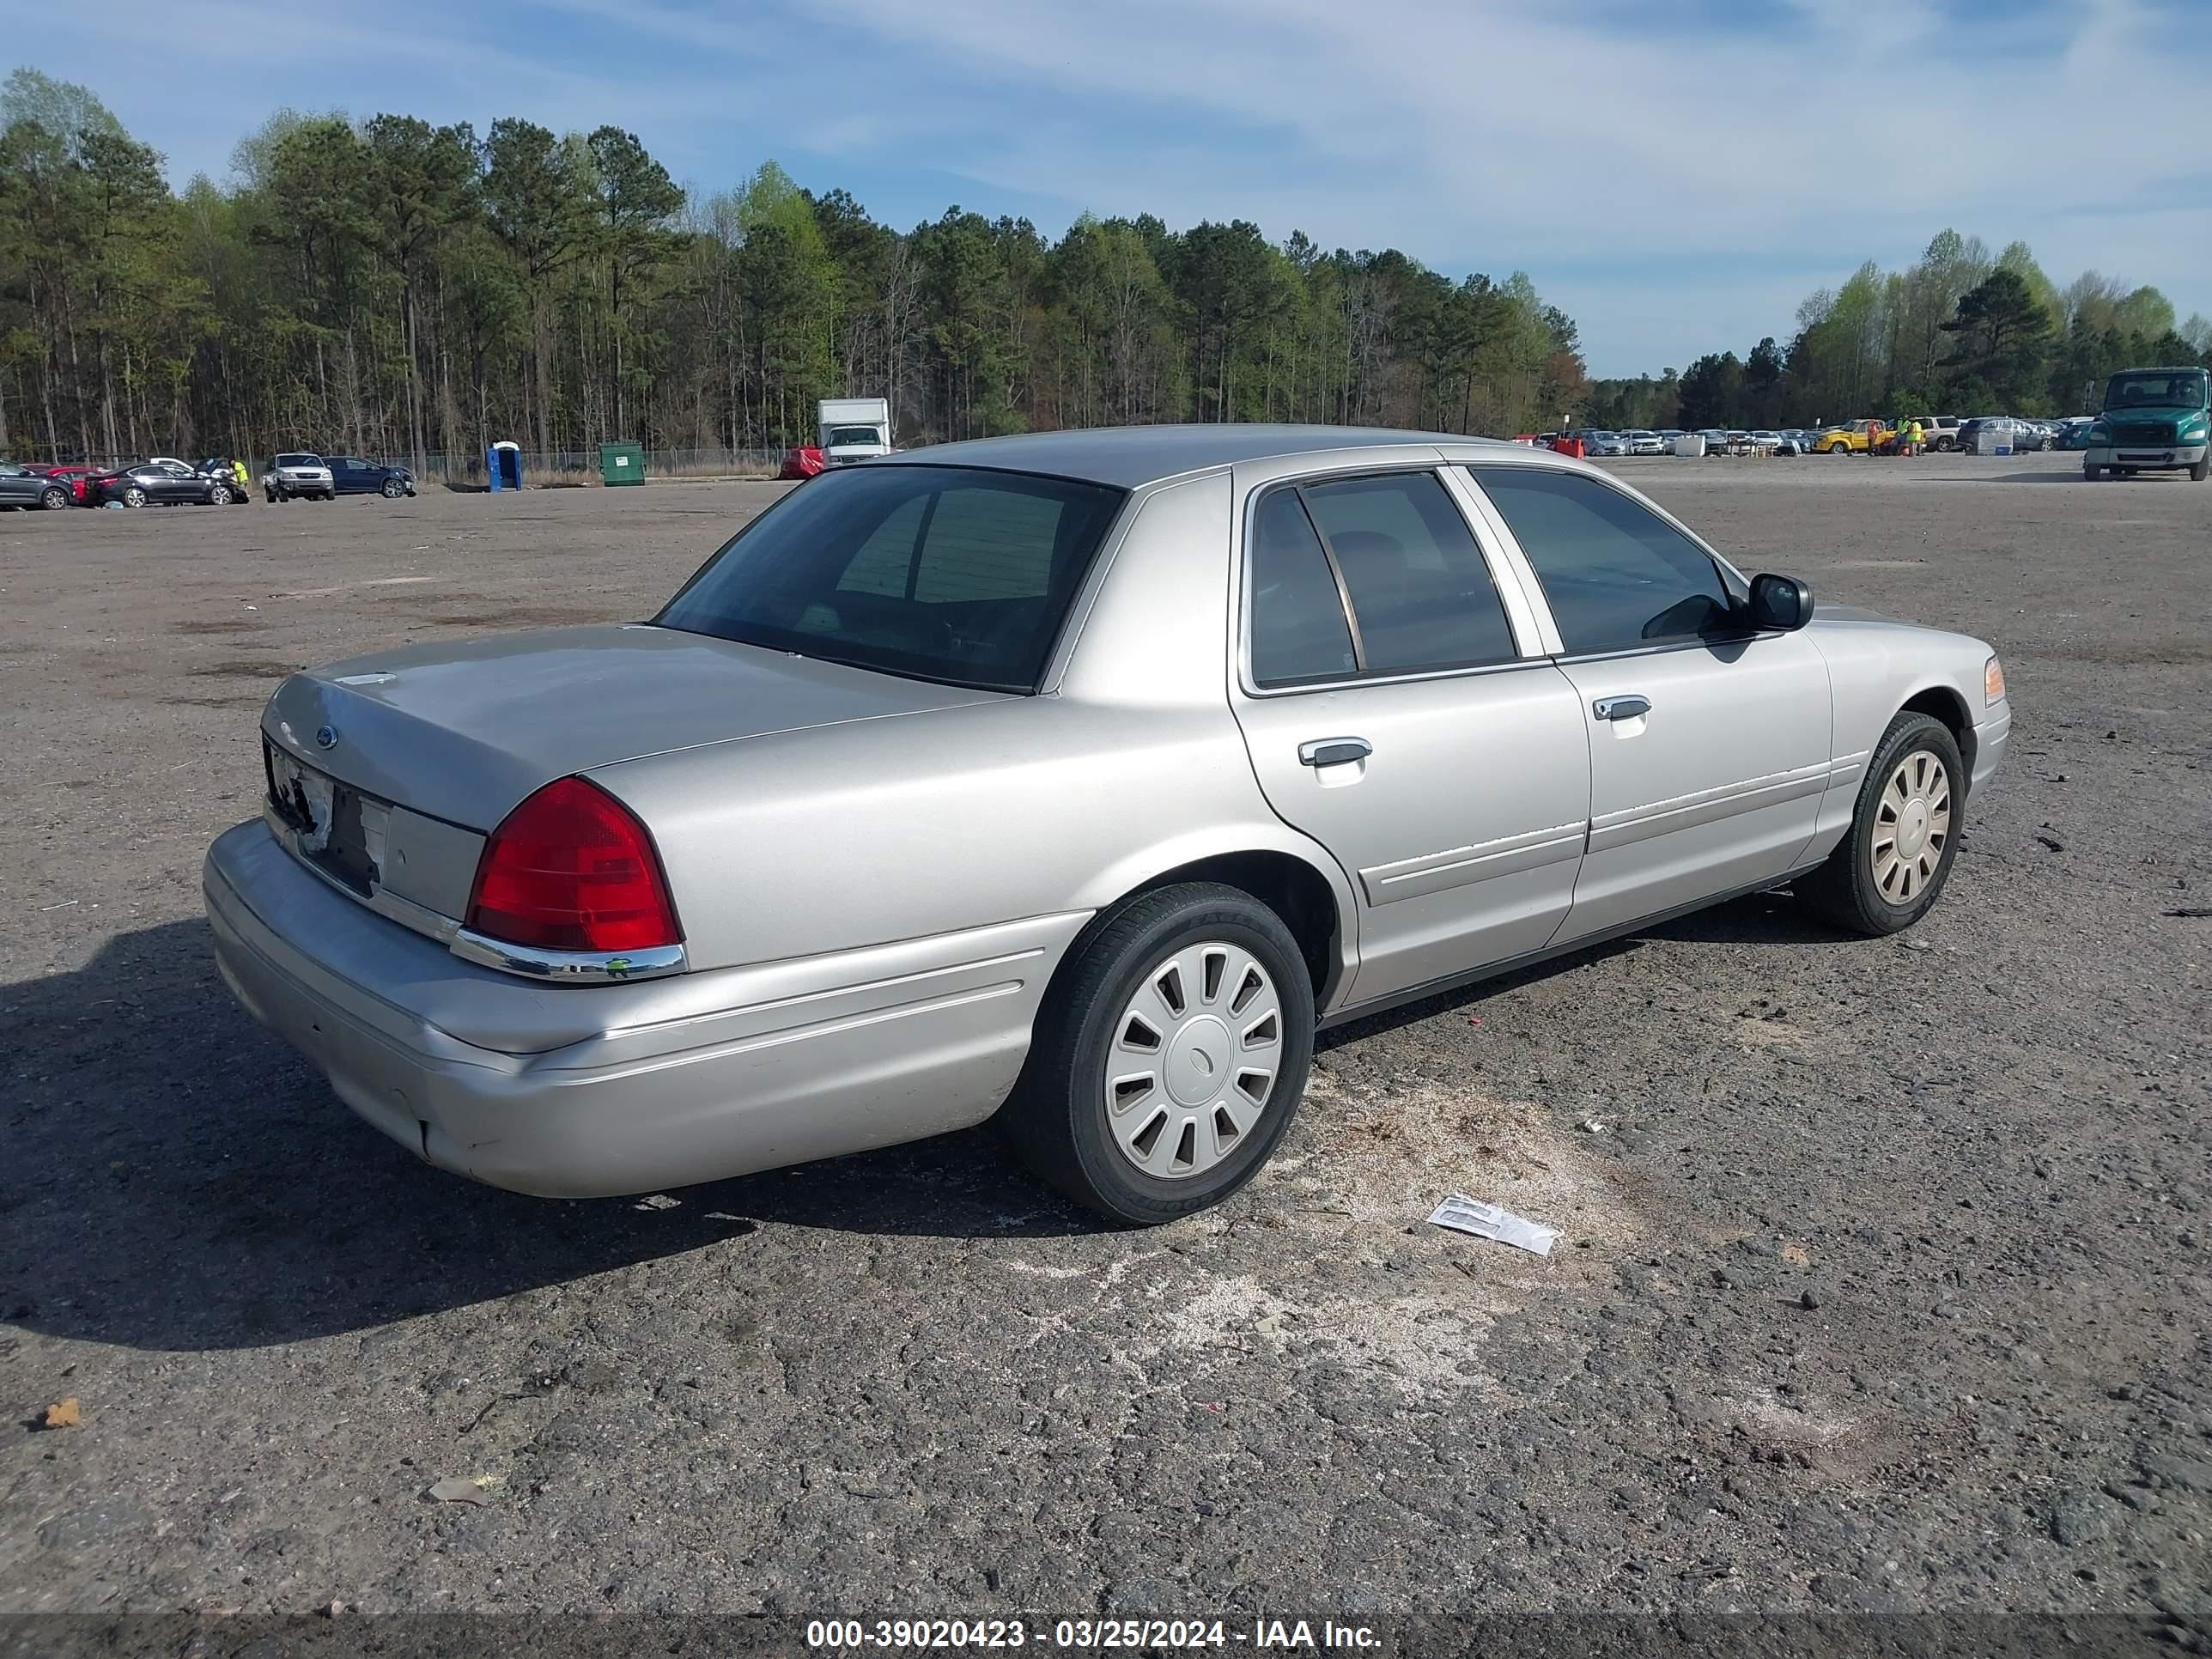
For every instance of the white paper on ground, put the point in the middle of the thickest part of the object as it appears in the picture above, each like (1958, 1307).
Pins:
(1470, 1215)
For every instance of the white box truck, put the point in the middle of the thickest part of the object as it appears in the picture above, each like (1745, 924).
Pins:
(854, 429)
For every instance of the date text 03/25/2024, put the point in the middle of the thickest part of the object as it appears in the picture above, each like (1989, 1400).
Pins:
(1081, 1634)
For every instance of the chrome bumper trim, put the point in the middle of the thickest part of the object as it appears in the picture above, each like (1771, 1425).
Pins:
(570, 967)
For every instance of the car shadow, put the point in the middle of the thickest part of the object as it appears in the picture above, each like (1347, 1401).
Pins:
(1759, 919)
(178, 1179)
(2071, 475)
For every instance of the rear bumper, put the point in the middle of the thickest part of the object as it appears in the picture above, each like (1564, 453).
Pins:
(2146, 458)
(590, 1091)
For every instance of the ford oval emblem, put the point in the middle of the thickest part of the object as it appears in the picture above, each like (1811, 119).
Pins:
(327, 736)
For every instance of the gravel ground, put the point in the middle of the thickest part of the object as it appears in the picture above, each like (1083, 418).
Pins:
(1883, 1287)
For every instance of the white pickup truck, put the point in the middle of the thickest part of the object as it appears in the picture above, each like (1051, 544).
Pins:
(854, 429)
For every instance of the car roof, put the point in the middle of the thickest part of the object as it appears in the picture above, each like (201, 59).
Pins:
(1132, 456)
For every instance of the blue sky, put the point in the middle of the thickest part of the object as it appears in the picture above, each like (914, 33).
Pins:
(1677, 174)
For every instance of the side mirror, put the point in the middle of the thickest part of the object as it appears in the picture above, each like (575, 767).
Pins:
(1780, 602)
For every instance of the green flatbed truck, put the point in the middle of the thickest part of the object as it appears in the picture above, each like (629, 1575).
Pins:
(2155, 420)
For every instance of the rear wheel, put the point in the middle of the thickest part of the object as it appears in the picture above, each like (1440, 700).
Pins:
(1890, 868)
(1170, 1056)
(134, 496)
(53, 495)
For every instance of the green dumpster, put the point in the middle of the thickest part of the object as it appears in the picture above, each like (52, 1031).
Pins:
(621, 464)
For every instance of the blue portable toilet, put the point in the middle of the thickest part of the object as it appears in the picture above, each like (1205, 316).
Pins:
(503, 464)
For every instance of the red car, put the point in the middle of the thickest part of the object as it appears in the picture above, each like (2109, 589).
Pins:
(802, 461)
(72, 473)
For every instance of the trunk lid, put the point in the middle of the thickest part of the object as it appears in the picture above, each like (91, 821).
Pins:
(463, 731)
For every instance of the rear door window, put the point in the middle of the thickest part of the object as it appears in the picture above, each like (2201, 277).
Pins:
(1420, 589)
(1300, 632)
(1618, 576)
(1392, 551)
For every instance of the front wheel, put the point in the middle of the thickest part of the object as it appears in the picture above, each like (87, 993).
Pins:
(1890, 867)
(2092, 471)
(391, 490)
(1170, 1056)
(2198, 472)
(218, 495)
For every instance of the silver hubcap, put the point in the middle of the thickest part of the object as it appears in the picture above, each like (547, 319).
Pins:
(1911, 827)
(1194, 1058)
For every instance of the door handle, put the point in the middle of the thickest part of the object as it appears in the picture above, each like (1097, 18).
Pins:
(1621, 709)
(1334, 751)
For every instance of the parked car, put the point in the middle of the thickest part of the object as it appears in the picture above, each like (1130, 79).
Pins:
(801, 461)
(1642, 442)
(2074, 432)
(70, 475)
(2022, 435)
(2155, 420)
(301, 474)
(31, 486)
(163, 482)
(352, 475)
(230, 471)
(1604, 443)
(1859, 437)
(814, 861)
(1716, 440)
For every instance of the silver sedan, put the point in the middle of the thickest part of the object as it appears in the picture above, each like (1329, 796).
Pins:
(1076, 778)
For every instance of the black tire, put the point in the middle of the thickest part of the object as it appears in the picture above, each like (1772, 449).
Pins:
(218, 494)
(1056, 1117)
(2198, 472)
(134, 496)
(52, 497)
(391, 490)
(1845, 889)
(2092, 471)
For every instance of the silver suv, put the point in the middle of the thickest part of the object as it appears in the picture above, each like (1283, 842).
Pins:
(299, 474)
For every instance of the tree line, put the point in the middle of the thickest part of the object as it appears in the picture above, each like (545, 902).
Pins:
(1957, 331)
(393, 288)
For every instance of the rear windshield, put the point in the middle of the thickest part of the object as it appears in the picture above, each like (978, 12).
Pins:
(939, 573)
(299, 460)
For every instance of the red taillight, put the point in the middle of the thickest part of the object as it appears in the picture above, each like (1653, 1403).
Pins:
(571, 870)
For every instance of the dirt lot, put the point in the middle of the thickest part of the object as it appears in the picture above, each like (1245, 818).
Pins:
(1884, 1287)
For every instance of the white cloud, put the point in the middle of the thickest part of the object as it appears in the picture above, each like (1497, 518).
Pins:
(1710, 166)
